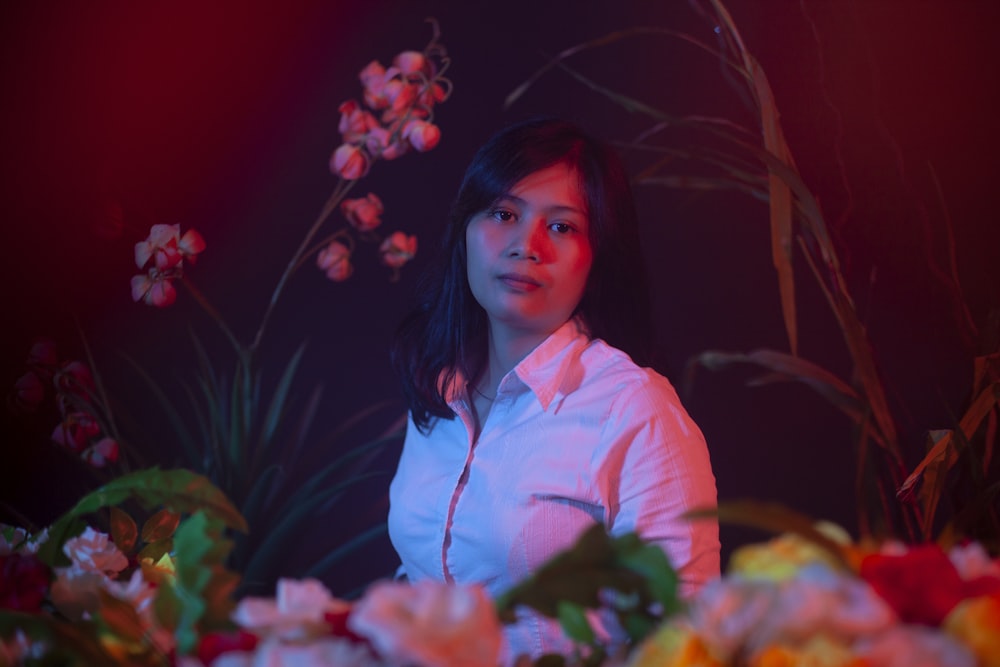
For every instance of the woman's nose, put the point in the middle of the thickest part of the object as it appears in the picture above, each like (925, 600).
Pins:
(529, 242)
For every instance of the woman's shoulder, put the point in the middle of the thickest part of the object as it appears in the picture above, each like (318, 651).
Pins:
(607, 366)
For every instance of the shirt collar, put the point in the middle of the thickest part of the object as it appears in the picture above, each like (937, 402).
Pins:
(545, 367)
(543, 370)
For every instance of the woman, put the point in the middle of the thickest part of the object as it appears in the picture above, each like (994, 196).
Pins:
(530, 418)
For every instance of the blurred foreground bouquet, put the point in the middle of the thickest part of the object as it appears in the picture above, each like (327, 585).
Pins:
(162, 595)
(812, 597)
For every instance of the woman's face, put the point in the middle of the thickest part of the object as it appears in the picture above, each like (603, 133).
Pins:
(529, 255)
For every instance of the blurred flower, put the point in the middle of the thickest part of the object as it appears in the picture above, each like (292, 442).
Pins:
(385, 143)
(976, 623)
(398, 249)
(322, 652)
(429, 623)
(355, 122)
(101, 453)
(784, 556)
(422, 135)
(818, 651)
(24, 582)
(363, 213)
(913, 646)
(75, 431)
(349, 162)
(92, 551)
(674, 646)
(972, 561)
(410, 62)
(214, 644)
(335, 260)
(153, 289)
(298, 610)
(921, 585)
(75, 592)
(373, 78)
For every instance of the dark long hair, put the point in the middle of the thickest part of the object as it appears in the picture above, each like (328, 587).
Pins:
(447, 332)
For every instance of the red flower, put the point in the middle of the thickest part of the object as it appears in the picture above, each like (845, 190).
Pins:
(922, 585)
(214, 644)
(24, 582)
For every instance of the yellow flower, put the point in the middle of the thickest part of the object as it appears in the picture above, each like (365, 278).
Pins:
(819, 651)
(782, 557)
(976, 623)
(674, 646)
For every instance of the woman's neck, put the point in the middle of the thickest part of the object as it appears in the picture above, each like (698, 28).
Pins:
(505, 349)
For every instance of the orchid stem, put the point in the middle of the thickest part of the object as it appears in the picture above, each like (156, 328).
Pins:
(343, 186)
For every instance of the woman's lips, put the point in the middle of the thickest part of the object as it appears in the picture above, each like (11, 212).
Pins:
(519, 282)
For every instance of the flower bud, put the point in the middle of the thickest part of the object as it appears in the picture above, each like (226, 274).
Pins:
(398, 249)
(364, 213)
(335, 260)
(349, 162)
(422, 135)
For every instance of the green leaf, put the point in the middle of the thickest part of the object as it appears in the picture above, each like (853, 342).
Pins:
(198, 595)
(277, 406)
(123, 530)
(154, 550)
(271, 550)
(160, 526)
(179, 490)
(319, 568)
(574, 622)
(120, 618)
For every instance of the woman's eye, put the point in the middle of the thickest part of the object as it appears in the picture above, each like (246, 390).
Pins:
(561, 227)
(503, 215)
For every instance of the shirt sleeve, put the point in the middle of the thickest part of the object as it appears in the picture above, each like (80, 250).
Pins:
(656, 467)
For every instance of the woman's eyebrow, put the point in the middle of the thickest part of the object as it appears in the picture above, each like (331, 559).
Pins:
(559, 208)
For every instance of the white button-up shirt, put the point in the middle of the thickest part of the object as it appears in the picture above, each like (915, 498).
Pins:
(577, 434)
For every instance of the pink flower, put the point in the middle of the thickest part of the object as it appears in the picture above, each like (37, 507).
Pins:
(429, 623)
(190, 245)
(355, 122)
(297, 612)
(363, 213)
(410, 62)
(349, 162)
(335, 260)
(153, 289)
(398, 249)
(167, 248)
(92, 551)
(75, 431)
(401, 96)
(160, 246)
(422, 135)
(373, 79)
(24, 581)
(101, 453)
(385, 143)
(28, 392)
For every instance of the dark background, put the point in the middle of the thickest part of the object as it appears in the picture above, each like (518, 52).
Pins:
(222, 116)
